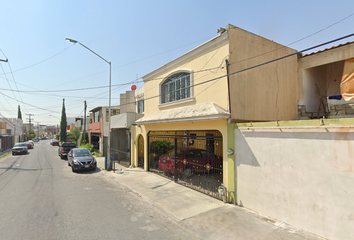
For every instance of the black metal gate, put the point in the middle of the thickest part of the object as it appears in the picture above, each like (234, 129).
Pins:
(191, 158)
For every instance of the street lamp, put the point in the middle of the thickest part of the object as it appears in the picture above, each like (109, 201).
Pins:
(109, 106)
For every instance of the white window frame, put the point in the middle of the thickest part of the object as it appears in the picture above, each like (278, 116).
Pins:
(180, 101)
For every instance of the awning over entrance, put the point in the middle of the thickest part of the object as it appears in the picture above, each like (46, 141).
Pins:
(124, 120)
(201, 112)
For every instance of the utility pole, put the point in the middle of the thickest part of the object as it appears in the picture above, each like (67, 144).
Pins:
(37, 129)
(85, 106)
(30, 119)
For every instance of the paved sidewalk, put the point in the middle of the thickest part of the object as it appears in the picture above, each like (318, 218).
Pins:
(201, 215)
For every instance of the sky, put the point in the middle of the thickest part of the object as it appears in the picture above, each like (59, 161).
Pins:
(137, 38)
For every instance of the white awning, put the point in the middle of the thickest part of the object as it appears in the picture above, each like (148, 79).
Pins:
(201, 112)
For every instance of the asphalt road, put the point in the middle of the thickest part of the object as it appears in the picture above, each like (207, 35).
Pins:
(40, 198)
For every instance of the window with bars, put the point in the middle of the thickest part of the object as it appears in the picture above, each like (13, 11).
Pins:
(176, 87)
(113, 113)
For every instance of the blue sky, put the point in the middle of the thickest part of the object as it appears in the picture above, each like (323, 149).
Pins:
(137, 37)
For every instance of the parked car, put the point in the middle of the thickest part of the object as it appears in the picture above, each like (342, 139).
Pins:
(190, 161)
(31, 141)
(64, 149)
(54, 142)
(20, 148)
(81, 159)
(29, 145)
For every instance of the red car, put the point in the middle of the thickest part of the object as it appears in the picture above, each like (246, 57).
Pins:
(29, 145)
(54, 142)
(190, 161)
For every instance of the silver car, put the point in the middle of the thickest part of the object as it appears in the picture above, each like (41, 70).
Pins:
(81, 159)
(20, 148)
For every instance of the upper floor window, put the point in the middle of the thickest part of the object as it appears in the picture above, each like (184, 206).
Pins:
(141, 106)
(97, 116)
(113, 113)
(176, 87)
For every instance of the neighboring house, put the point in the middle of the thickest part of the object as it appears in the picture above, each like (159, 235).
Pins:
(99, 127)
(51, 131)
(79, 123)
(121, 126)
(13, 127)
(301, 172)
(326, 83)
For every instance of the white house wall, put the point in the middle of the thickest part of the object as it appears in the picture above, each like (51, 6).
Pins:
(301, 176)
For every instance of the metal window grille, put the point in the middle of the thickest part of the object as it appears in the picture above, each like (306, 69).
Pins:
(176, 87)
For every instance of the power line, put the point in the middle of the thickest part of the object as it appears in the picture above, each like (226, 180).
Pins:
(258, 65)
(20, 69)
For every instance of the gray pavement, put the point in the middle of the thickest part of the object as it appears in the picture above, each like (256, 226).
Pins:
(201, 215)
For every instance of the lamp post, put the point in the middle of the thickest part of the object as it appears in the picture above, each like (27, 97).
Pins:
(109, 106)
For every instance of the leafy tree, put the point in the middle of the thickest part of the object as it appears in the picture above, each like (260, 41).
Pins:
(161, 147)
(63, 124)
(31, 134)
(74, 135)
(19, 114)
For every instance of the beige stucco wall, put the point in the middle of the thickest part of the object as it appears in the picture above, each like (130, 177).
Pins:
(206, 64)
(299, 175)
(262, 93)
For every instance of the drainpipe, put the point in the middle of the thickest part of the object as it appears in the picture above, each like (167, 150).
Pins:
(228, 82)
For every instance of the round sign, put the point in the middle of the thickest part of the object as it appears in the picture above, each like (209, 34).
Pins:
(133, 87)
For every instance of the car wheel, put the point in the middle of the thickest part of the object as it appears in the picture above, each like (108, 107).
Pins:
(68, 164)
(72, 169)
(13, 154)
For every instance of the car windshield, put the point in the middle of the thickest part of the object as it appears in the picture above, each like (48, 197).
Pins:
(20, 145)
(67, 144)
(82, 153)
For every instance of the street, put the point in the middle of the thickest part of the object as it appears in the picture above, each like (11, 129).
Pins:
(41, 198)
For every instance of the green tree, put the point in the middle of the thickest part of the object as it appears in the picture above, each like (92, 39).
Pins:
(63, 124)
(74, 135)
(161, 147)
(84, 138)
(31, 134)
(19, 114)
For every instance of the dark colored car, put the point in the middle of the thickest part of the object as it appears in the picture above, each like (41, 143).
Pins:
(20, 148)
(54, 142)
(64, 149)
(81, 159)
(190, 161)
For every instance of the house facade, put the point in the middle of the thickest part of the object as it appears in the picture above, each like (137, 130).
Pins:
(185, 118)
(98, 130)
(121, 125)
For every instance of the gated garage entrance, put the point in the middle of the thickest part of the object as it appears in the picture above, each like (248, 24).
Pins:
(191, 158)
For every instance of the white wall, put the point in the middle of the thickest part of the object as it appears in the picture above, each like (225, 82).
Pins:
(301, 176)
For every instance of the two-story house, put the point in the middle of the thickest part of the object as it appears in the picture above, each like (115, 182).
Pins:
(185, 118)
(121, 125)
(99, 127)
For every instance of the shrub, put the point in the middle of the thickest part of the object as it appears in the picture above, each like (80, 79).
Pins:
(88, 146)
